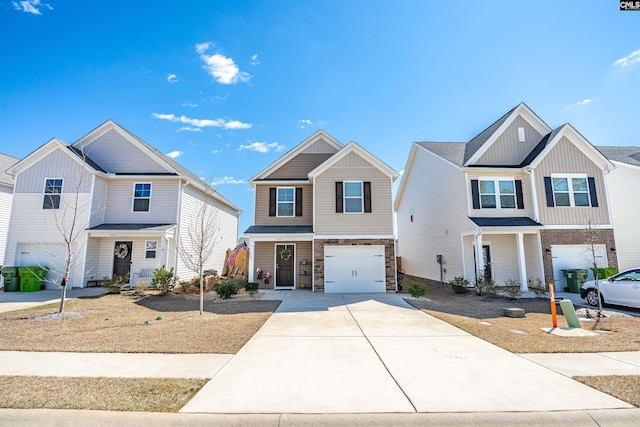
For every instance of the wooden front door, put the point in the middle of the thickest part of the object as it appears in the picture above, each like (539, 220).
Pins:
(122, 260)
(285, 271)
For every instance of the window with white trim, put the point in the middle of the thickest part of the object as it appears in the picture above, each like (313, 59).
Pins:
(151, 249)
(497, 193)
(353, 199)
(570, 190)
(52, 191)
(286, 198)
(141, 197)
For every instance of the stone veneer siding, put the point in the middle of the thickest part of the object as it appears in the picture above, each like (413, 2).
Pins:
(389, 255)
(574, 237)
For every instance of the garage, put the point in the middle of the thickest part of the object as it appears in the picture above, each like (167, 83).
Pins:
(51, 256)
(575, 257)
(354, 269)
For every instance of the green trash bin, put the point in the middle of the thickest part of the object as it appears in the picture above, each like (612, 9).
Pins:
(575, 278)
(11, 279)
(31, 278)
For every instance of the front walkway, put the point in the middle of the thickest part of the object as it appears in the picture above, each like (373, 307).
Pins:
(373, 353)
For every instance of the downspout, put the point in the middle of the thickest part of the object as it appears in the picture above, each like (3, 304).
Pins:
(536, 216)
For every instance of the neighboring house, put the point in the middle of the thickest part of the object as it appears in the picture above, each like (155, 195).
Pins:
(624, 194)
(6, 198)
(133, 209)
(324, 219)
(512, 203)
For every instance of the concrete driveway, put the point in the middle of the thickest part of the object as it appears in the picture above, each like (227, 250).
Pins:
(10, 301)
(373, 353)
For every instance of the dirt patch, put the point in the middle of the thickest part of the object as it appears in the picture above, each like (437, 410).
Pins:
(482, 316)
(137, 324)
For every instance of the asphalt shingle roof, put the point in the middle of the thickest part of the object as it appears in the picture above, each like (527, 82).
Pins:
(520, 221)
(629, 155)
(279, 229)
(6, 162)
(132, 227)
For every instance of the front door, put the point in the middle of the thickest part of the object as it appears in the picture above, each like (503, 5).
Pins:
(122, 260)
(285, 258)
(486, 262)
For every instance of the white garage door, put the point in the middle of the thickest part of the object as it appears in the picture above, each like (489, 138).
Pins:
(51, 256)
(350, 269)
(575, 256)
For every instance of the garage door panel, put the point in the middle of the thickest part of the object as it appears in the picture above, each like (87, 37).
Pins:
(575, 257)
(51, 256)
(354, 269)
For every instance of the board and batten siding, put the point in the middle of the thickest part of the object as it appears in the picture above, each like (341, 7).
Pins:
(329, 222)
(624, 195)
(98, 201)
(507, 150)
(56, 165)
(437, 193)
(163, 206)
(261, 210)
(299, 166)
(6, 201)
(194, 206)
(115, 154)
(565, 157)
(527, 197)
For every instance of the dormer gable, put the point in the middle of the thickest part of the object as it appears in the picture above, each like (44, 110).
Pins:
(353, 155)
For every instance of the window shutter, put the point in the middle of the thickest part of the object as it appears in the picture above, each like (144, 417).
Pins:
(519, 197)
(475, 194)
(592, 191)
(339, 208)
(298, 201)
(367, 196)
(272, 201)
(548, 189)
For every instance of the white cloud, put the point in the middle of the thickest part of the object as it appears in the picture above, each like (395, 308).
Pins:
(189, 129)
(189, 104)
(254, 60)
(174, 154)
(201, 123)
(262, 147)
(304, 122)
(172, 78)
(583, 102)
(218, 98)
(215, 151)
(227, 180)
(31, 6)
(220, 67)
(630, 59)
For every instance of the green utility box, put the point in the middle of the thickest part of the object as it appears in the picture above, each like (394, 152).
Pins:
(575, 279)
(11, 279)
(31, 278)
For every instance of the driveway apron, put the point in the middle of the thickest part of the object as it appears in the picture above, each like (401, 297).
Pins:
(357, 353)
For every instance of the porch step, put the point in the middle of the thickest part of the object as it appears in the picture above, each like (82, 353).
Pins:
(513, 312)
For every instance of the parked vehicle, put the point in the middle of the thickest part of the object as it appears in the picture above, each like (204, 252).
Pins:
(620, 289)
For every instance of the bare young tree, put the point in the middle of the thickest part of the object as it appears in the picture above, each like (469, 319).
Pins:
(593, 236)
(197, 242)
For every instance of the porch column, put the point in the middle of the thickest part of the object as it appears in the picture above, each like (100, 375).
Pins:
(251, 260)
(522, 262)
(479, 258)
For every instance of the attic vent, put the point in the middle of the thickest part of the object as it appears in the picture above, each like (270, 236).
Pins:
(521, 134)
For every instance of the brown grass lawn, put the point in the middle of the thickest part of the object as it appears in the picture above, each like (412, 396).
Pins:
(482, 316)
(623, 387)
(133, 324)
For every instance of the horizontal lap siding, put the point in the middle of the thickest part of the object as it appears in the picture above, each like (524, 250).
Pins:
(56, 165)
(6, 197)
(103, 248)
(507, 150)
(567, 158)
(527, 197)
(378, 222)
(116, 154)
(264, 258)
(624, 194)
(262, 207)
(163, 204)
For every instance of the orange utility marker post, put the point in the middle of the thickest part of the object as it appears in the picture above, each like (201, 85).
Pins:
(552, 294)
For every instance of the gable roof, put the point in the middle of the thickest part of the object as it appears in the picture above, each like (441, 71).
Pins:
(6, 161)
(352, 147)
(315, 137)
(452, 151)
(629, 155)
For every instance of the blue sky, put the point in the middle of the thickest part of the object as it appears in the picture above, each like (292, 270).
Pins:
(226, 87)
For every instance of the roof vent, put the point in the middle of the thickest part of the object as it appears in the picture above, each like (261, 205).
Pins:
(521, 134)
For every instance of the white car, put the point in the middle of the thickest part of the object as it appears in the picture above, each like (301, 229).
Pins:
(621, 289)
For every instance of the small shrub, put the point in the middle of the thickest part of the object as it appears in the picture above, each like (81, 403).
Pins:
(242, 282)
(163, 280)
(512, 288)
(184, 285)
(226, 289)
(485, 286)
(460, 285)
(535, 286)
(416, 289)
(114, 285)
(251, 287)
(141, 285)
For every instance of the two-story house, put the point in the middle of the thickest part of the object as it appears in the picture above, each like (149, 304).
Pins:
(514, 202)
(122, 208)
(6, 199)
(324, 219)
(623, 184)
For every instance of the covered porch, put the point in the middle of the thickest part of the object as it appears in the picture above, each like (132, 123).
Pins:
(504, 250)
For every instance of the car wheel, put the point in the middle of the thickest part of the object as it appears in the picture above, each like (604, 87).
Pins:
(592, 298)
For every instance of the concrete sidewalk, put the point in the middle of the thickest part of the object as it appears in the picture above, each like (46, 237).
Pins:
(10, 301)
(373, 353)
